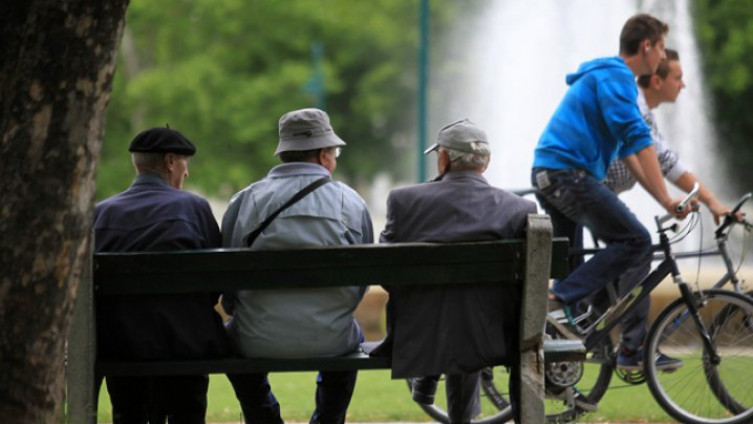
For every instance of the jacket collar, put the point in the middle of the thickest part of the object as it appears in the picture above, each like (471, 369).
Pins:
(464, 175)
(150, 179)
(297, 168)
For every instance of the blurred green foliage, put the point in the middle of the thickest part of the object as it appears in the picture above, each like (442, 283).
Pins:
(224, 71)
(725, 33)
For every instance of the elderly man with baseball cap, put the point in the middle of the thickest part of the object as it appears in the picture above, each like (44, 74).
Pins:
(154, 214)
(297, 205)
(437, 330)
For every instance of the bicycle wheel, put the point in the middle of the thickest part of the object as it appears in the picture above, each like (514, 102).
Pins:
(701, 391)
(732, 321)
(590, 377)
(495, 408)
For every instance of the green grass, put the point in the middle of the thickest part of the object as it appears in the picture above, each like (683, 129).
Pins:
(377, 398)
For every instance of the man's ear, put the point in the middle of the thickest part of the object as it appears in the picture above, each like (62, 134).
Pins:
(169, 161)
(656, 82)
(443, 161)
(321, 156)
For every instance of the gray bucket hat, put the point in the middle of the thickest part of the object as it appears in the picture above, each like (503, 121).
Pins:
(463, 136)
(306, 129)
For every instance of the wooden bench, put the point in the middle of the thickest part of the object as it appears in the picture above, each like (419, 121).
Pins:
(529, 263)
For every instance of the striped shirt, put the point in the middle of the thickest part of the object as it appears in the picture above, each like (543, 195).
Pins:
(619, 178)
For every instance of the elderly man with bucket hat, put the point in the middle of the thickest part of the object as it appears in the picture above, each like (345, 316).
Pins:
(297, 205)
(435, 330)
(154, 214)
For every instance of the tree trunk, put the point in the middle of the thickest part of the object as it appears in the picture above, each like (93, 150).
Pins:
(57, 59)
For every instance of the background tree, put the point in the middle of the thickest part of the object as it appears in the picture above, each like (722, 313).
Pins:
(223, 72)
(56, 65)
(725, 33)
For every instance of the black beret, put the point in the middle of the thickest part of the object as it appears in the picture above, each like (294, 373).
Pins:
(163, 140)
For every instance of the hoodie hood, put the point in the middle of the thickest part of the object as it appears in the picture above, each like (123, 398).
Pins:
(597, 121)
(596, 65)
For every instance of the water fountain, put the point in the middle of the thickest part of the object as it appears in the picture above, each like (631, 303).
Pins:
(506, 71)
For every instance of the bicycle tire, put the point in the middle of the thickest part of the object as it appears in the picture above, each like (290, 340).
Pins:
(597, 373)
(495, 407)
(688, 394)
(741, 320)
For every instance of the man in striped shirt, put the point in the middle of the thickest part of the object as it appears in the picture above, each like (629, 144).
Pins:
(662, 87)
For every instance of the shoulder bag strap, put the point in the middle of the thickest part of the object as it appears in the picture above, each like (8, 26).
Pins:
(296, 197)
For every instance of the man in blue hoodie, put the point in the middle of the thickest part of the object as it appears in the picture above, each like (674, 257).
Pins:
(597, 122)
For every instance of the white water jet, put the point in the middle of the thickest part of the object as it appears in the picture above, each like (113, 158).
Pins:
(505, 70)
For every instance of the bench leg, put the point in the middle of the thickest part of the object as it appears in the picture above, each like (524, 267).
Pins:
(81, 388)
(532, 386)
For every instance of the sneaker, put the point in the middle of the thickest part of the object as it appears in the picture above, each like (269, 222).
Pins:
(666, 363)
(562, 313)
(554, 304)
(630, 361)
(634, 361)
(557, 309)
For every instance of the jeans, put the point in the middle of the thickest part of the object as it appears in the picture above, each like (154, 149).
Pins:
(334, 390)
(573, 198)
(635, 323)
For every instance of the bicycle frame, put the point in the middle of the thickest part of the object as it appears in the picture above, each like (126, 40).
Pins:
(721, 250)
(668, 266)
(607, 321)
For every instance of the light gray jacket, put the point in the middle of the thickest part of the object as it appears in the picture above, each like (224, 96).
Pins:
(304, 322)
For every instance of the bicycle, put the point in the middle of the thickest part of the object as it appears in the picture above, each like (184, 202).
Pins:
(715, 320)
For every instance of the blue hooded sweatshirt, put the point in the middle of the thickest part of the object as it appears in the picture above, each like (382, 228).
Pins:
(597, 121)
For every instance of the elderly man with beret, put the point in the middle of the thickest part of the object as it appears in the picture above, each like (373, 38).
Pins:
(154, 214)
(453, 330)
(297, 205)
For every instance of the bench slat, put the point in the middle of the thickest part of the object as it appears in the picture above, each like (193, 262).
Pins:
(236, 269)
(353, 361)
(223, 269)
(554, 351)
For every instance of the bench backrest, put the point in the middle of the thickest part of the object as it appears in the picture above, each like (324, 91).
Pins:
(235, 269)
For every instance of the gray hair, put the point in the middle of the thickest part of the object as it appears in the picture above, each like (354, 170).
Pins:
(468, 161)
(148, 162)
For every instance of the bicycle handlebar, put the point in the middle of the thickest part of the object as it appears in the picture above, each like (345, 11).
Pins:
(693, 193)
(730, 218)
(681, 207)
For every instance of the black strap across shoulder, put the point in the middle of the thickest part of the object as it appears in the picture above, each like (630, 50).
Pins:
(296, 197)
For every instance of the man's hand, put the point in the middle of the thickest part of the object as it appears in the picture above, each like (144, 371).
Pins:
(719, 211)
(673, 205)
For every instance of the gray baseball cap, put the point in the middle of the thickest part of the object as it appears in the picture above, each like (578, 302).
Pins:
(306, 129)
(463, 136)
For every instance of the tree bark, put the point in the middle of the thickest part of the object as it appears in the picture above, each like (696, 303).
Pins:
(57, 59)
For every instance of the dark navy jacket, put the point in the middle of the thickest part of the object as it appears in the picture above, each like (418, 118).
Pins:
(152, 216)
